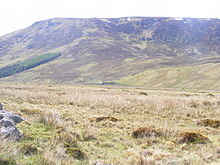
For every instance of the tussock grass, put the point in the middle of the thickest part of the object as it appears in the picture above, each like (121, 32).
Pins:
(82, 125)
(50, 119)
(145, 132)
(28, 149)
(210, 123)
(8, 151)
(192, 137)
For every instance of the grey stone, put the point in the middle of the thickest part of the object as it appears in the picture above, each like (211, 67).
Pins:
(10, 132)
(15, 118)
(6, 122)
(1, 106)
(8, 129)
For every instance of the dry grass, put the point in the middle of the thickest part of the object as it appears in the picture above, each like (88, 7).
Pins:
(82, 125)
(8, 151)
(104, 118)
(50, 119)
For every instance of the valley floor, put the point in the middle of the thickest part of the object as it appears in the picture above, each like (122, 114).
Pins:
(86, 125)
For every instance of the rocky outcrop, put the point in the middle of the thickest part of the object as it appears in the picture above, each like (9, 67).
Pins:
(1, 106)
(8, 129)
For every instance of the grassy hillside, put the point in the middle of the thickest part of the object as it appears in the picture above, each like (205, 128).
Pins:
(204, 76)
(78, 125)
(97, 49)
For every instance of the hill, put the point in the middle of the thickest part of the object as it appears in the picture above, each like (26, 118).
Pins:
(155, 52)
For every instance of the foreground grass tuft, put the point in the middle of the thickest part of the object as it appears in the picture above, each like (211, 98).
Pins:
(210, 123)
(28, 149)
(75, 153)
(146, 132)
(192, 137)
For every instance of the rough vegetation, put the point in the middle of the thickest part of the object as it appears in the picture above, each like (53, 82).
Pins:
(192, 137)
(210, 123)
(145, 132)
(60, 126)
(109, 118)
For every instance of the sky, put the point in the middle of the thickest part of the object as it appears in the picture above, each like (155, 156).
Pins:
(18, 14)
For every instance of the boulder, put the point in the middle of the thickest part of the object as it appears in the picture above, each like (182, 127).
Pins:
(8, 115)
(10, 132)
(1, 106)
(8, 129)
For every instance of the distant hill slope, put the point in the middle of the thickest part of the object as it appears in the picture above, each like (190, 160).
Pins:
(130, 51)
(27, 64)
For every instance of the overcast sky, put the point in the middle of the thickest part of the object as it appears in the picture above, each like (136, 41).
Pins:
(17, 14)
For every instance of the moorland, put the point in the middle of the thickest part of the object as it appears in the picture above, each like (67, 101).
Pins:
(90, 125)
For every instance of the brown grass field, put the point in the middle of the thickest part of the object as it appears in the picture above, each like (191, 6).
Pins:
(120, 126)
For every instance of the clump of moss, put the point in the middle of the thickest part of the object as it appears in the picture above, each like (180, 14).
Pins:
(145, 132)
(28, 149)
(192, 137)
(210, 123)
(104, 118)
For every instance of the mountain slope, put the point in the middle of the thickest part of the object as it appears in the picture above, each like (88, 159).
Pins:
(205, 76)
(116, 49)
